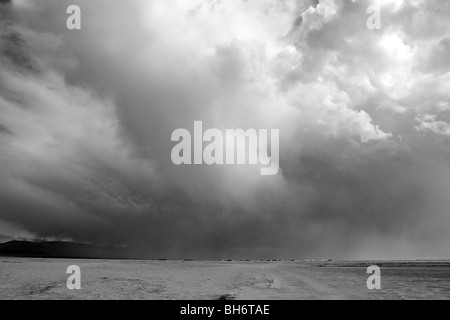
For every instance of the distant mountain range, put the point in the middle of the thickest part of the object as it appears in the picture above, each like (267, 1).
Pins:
(58, 249)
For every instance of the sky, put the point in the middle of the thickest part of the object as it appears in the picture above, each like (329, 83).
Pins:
(364, 117)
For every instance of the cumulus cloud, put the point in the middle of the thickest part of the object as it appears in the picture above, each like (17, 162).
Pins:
(87, 118)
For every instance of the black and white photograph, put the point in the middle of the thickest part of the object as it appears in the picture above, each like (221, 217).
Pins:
(224, 150)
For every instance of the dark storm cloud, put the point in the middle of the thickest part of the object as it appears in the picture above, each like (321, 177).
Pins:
(363, 119)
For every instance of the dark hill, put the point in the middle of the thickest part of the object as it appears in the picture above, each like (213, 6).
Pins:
(59, 250)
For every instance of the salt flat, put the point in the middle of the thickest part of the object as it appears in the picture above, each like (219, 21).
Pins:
(22, 278)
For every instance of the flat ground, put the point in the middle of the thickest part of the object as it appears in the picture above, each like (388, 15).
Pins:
(103, 279)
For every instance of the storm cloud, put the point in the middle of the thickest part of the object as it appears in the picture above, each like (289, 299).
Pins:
(364, 117)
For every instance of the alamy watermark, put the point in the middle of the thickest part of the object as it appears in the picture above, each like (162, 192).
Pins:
(229, 147)
(74, 280)
(74, 20)
(374, 20)
(374, 281)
